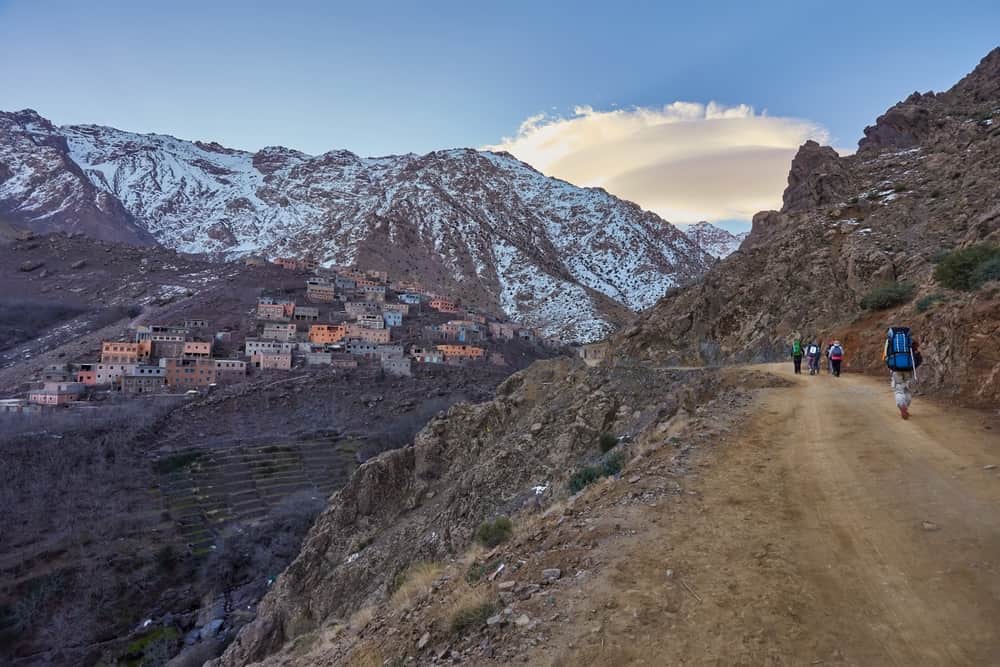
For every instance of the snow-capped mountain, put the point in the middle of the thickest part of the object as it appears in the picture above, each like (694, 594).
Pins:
(714, 240)
(482, 226)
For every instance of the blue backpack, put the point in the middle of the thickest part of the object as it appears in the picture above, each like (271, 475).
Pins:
(899, 349)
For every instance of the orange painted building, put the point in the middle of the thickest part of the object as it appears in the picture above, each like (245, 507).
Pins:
(355, 330)
(461, 351)
(125, 353)
(443, 305)
(197, 349)
(327, 333)
(189, 373)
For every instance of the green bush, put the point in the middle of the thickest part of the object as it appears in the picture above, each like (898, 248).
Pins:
(607, 442)
(927, 302)
(492, 533)
(611, 465)
(887, 296)
(960, 269)
(987, 271)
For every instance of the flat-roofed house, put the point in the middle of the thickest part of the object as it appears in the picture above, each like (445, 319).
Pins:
(272, 361)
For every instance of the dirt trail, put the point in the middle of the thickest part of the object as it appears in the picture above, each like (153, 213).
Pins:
(829, 531)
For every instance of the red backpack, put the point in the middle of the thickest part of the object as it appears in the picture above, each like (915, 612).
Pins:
(836, 353)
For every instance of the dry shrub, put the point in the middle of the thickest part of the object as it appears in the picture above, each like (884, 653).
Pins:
(366, 655)
(361, 618)
(413, 583)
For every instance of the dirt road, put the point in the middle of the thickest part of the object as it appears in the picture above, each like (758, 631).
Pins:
(828, 531)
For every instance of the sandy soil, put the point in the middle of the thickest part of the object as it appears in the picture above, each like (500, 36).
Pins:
(827, 530)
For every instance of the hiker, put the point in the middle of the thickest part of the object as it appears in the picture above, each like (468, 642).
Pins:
(902, 356)
(812, 357)
(797, 355)
(836, 353)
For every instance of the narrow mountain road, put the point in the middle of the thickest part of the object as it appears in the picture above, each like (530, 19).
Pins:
(827, 532)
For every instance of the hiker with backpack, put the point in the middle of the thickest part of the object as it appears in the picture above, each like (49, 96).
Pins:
(901, 354)
(836, 354)
(797, 355)
(812, 357)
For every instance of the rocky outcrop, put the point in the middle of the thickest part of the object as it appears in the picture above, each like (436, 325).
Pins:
(716, 241)
(923, 182)
(817, 178)
(423, 503)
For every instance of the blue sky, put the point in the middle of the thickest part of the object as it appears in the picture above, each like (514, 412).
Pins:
(382, 77)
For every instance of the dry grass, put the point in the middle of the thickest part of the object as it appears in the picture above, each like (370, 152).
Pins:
(366, 655)
(415, 582)
(361, 618)
(469, 610)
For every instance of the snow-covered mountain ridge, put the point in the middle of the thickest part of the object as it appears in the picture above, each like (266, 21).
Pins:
(482, 226)
(716, 241)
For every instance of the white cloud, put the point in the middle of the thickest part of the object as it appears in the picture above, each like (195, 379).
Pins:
(686, 161)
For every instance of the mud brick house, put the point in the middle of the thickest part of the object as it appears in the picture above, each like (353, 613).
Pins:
(196, 324)
(318, 358)
(321, 290)
(327, 333)
(281, 361)
(280, 331)
(410, 298)
(443, 305)
(18, 406)
(223, 336)
(197, 349)
(356, 309)
(343, 360)
(390, 351)
(189, 373)
(378, 276)
(397, 366)
(344, 283)
(362, 348)
(57, 373)
(372, 292)
(401, 308)
(274, 309)
(153, 331)
(463, 331)
(305, 314)
(461, 352)
(427, 355)
(56, 393)
(392, 318)
(503, 330)
(255, 260)
(371, 321)
(293, 264)
(497, 359)
(230, 371)
(125, 353)
(253, 346)
(144, 380)
(593, 353)
(110, 374)
(167, 345)
(378, 336)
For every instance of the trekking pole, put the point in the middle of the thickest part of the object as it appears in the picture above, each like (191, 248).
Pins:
(913, 363)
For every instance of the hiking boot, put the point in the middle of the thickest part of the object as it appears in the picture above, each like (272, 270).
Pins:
(904, 412)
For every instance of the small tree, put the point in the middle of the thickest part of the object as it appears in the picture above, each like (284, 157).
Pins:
(961, 268)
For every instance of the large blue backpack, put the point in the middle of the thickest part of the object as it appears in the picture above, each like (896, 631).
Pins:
(899, 350)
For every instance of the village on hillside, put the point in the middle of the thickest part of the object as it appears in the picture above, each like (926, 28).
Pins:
(341, 317)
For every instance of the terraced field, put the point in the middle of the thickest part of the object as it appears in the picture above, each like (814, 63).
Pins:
(205, 490)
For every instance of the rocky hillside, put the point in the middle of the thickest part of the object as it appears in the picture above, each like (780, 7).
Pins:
(716, 241)
(923, 182)
(480, 225)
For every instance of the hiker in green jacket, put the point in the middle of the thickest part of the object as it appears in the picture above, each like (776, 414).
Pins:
(797, 355)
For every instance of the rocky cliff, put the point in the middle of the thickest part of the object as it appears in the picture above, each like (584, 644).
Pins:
(483, 226)
(716, 241)
(922, 182)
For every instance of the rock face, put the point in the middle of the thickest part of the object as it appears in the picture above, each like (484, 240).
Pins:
(480, 225)
(924, 180)
(716, 241)
(42, 187)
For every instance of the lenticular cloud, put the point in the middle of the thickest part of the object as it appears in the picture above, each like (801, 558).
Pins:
(686, 161)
